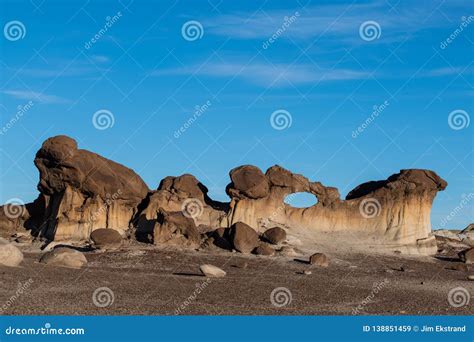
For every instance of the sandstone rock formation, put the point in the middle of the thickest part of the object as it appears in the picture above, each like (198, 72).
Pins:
(174, 228)
(81, 191)
(394, 213)
(179, 194)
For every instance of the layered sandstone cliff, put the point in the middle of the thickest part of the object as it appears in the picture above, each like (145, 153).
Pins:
(81, 191)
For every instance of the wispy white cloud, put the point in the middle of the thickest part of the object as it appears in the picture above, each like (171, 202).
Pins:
(35, 96)
(334, 21)
(66, 68)
(267, 74)
(440, 72)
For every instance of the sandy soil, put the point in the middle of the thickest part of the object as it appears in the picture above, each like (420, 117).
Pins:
(150, 281)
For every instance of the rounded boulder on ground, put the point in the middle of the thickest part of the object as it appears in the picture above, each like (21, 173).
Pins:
(264, 249)
(64, 257)
(106, 238)
(274, 235)
(10, 255)
(244, 238)
(319, 259)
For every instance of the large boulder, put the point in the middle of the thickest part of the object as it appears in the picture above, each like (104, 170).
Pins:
(274, 235)
(248, 181)
(244, 238)
(106, 238)
(176, 229)
(10, 255)
(64, 257)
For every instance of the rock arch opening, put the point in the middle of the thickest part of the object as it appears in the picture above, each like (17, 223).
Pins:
(301, 200)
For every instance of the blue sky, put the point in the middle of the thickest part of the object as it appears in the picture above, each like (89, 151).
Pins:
(310, 62)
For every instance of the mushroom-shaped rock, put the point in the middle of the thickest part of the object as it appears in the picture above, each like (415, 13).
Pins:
(82, 191)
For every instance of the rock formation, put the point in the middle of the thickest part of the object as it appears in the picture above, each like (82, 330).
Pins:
(394, 213)
(179, 194)
(81, 191)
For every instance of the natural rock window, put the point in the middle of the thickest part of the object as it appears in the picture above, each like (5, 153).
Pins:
(301, 200)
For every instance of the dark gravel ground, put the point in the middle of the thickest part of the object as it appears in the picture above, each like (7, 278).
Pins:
(148, 281)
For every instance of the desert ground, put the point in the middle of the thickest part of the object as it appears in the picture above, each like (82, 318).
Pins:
(148, 280)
